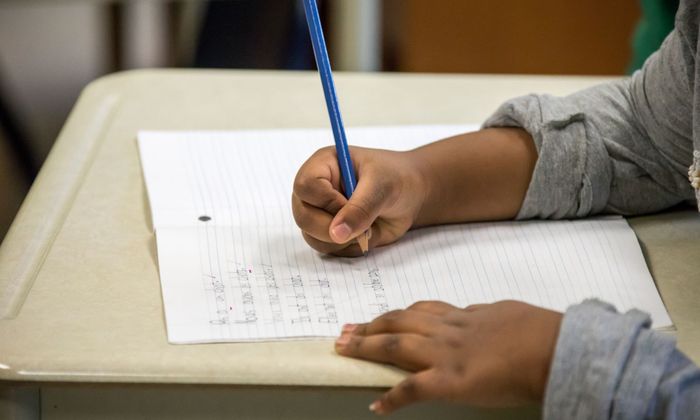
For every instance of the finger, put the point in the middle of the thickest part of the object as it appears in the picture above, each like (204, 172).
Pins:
(314, 224)
(318, 181)
(400, 321)
(422, 386)
(348, 250)
(379, 235)
(311, 220)
(322, 196)
(361, 210)
(434, 307)
(352, 249)
(327, 247)
(407, 351)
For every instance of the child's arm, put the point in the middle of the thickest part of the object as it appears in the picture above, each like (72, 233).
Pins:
(475, 176)
(622, 147)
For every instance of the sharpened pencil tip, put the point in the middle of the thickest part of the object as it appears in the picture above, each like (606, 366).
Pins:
(363, 241)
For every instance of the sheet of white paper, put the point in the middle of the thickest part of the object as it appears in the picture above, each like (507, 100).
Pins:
(234, 267)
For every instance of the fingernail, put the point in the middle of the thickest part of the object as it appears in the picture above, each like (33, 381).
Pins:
(342, 232)
(349, 328)
(376, 407)
(342, 341)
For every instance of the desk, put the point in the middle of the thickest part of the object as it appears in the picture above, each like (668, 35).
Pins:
(80, 299)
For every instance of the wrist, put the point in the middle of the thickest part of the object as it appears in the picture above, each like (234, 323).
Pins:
(551, 323)
(425, 186)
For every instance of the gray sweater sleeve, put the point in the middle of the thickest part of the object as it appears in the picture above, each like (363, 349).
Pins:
(622, 147)
(611, 366)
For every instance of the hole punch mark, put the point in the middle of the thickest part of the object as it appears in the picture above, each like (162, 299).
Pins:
(204, 218)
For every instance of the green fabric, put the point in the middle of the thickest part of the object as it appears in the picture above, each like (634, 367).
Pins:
(657, 22)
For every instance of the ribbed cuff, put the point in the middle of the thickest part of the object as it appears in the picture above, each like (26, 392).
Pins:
(606, 365)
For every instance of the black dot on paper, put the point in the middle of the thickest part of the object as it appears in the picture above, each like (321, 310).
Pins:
(204, 218)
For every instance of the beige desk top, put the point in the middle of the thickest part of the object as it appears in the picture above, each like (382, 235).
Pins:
(79, 290)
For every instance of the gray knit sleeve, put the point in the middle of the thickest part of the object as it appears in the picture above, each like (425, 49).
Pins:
(611, 366)
(622, 147)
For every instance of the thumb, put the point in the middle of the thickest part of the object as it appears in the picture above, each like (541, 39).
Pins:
(361, 210)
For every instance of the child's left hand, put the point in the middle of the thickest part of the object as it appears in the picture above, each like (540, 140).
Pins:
(484, 355)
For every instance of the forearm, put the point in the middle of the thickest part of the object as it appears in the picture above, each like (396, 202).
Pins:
(476, 176)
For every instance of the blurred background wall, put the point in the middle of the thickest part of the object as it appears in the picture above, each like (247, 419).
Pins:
(512, 36)
(50, 49)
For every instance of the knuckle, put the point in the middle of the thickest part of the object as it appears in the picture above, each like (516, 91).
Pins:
(409, 388)
(325, 151)
(509, 302)
(304, 185)
(355, 344)
(453, 342)
(361, 329)
(391, 344)
(322, 155)
(390, 318)
(332, 204)
(456, 319)
(423, 304)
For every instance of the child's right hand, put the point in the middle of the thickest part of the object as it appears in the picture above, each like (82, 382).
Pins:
(388, 198)
(470, 177)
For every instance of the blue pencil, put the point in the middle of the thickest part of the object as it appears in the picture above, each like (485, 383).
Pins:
(347, 170)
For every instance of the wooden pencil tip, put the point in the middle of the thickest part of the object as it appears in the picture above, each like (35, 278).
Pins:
(363, 241)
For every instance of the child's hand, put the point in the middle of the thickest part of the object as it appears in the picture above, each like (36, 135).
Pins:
(388, 198)
(475, 176)
(485, 355)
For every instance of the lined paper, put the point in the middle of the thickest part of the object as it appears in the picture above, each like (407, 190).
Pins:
(233, 265)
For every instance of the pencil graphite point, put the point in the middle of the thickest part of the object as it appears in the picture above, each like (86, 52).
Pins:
(363, 241)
